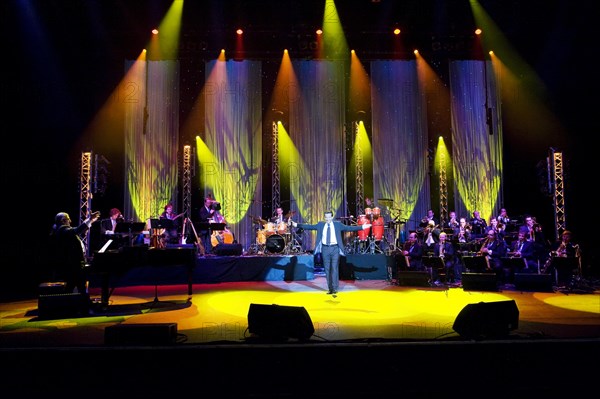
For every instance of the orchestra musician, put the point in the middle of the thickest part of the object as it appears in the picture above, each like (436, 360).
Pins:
(535, 234)
(566, 249)
(453, 221)
(463, 232)
(494, 225)
(445, 250)
(478, 225)
(494, 249)
(171, 234)
(521, 248)
(412, 250)
(207, 213)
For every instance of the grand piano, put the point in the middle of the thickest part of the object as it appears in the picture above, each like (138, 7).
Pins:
(109, 267)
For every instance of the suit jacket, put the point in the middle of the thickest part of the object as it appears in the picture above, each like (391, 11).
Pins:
(527, 251)
(105, 225)
(338, 226)
(205, 214)
(68, 249)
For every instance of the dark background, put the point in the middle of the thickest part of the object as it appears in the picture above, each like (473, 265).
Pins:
(59, 71)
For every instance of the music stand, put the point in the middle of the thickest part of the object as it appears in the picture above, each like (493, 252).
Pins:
(515, 264)
(432, 263)
(166, 224)
(129, 229)
(476, 264)
(564, 268)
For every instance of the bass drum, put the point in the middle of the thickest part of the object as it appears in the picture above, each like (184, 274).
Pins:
(275, 244)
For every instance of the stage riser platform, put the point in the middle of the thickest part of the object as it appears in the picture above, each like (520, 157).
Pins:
(217, 269)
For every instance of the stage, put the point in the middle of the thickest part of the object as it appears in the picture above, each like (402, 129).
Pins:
(173, 268)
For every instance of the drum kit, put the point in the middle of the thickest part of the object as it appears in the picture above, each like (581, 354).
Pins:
(275, 238)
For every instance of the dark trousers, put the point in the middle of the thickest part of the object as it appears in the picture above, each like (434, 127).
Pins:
(331, 264)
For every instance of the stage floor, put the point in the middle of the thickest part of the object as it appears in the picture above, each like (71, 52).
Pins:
(362, 310)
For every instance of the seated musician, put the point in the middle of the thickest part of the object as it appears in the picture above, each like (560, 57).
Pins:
(478, 225)
(522, 248)
(412, 250)
(494, 249)
(494, 225)
(445, 250)
(171, 233)
(108, 228)
(563, 249)
(463, 232)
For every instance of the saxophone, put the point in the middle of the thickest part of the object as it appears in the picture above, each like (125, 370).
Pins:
(561, 252)
(481, 252)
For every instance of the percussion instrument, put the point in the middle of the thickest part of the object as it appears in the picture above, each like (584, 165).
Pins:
(261, 237)
(269, 229)
(275, 243)
(369, 213)
(364, 233)
(281, 228)
(378, 228)
(376, 212)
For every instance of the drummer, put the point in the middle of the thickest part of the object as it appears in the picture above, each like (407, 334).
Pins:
(278, 218)
(280, 221)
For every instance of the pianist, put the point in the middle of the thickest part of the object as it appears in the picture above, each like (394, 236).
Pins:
(109, 225)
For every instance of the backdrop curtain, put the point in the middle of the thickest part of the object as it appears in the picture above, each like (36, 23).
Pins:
(150, 95)
(477, 147)
(399, 123)
(230, 154)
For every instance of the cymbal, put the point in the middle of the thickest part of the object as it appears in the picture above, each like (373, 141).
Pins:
(386, 201)
(258, 220)
(290, 214)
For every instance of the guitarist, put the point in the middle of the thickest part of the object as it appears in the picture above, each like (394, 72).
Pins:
(171, 234)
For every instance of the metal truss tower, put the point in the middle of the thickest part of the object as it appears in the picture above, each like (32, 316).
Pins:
(276, 189)
(360, 181)
(187, 180)
(85, 193)
(443, 189)
(556, 168)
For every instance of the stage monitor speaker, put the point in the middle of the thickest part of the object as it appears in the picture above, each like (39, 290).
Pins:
(534, 282)
(479, 282)
(61, 306)
(487, 320)
(228, 249)
(141, 334)
(52, 287)
(275, 322)
(413, 278)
